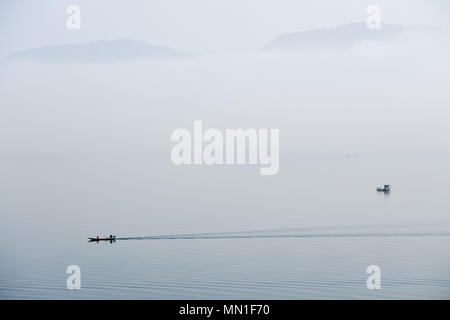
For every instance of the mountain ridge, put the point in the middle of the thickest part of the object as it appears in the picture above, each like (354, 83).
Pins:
(107, 51)
(340, 37)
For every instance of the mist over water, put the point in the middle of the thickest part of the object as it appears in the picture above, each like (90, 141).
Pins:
(85, 151)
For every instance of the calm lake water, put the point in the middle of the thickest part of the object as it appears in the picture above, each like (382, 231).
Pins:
(225, 232)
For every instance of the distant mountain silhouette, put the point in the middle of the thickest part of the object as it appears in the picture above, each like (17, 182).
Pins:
(100, 51)
(341, 37)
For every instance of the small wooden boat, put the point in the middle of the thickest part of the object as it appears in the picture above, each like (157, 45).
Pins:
(110, 238)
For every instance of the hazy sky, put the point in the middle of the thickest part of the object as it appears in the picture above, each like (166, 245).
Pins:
(196, 25)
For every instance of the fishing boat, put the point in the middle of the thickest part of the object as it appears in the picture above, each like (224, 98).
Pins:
(385, 188)
(110, 238)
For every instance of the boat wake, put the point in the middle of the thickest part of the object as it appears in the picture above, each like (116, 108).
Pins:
(255, 234)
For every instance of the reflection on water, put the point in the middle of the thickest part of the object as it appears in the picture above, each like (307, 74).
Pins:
(98, 241)
(384, 193)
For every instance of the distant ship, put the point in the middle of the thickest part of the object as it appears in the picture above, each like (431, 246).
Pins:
(385, 188)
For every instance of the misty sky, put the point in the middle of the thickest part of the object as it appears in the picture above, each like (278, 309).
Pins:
(197, 25)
